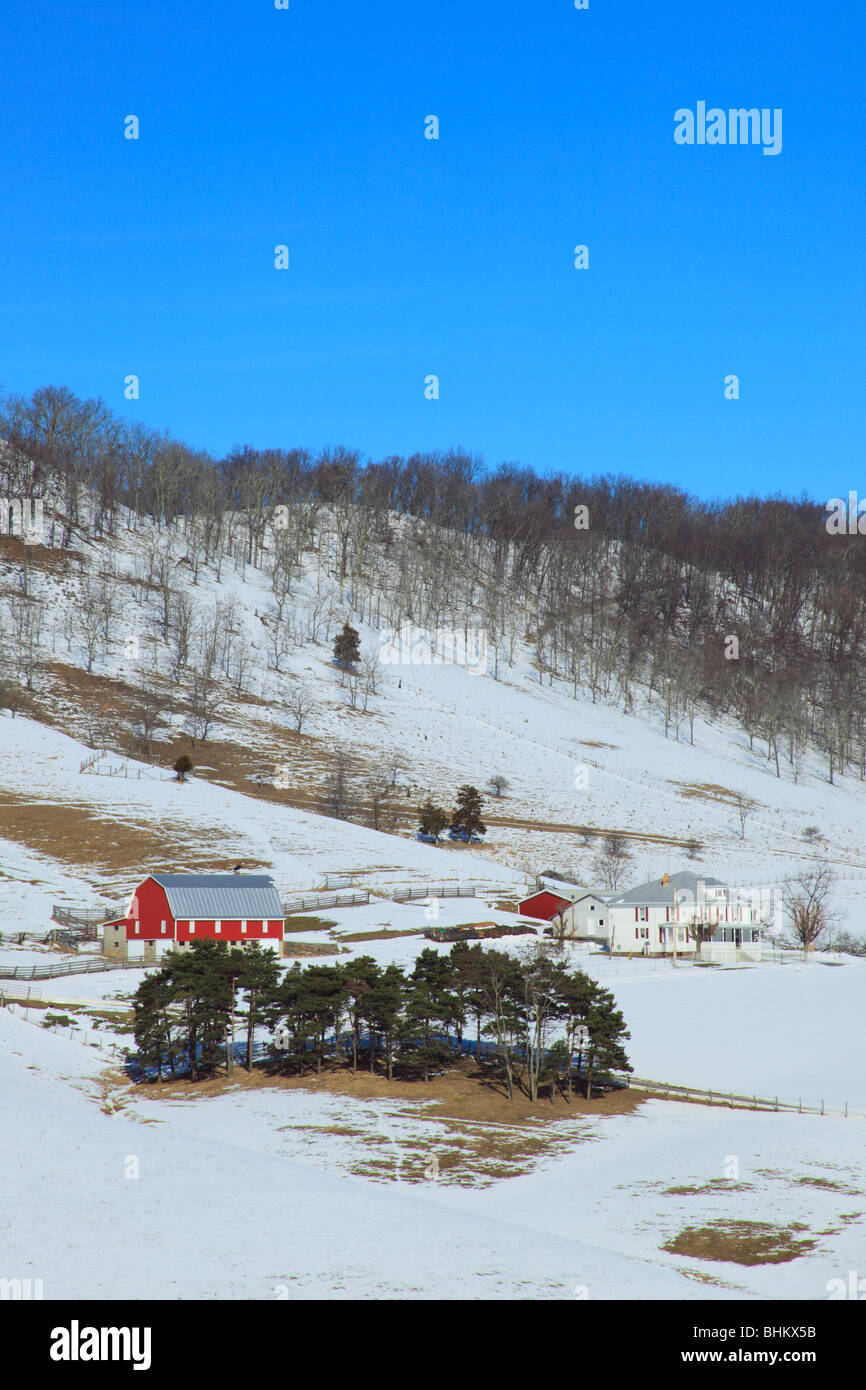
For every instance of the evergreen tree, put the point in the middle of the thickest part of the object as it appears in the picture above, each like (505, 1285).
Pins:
(153, 1026)
(428, 1003)
(381, 1007)
(576, 995)
(468, 984)
(536, 995)
(283, 1007)
(467, 813)
(557, 1067)
(347, 646)
(607, 1032)
(432, 819)
(183, 767)
(499, 977)
(259, 978)
(360, 978)
(200, 980)
(319, 1002)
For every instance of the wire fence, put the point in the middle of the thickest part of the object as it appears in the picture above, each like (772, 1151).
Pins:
(74, 1032)
(660, 785)
(733, 1100)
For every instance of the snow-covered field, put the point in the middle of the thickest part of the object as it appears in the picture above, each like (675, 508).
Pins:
(251, 1197)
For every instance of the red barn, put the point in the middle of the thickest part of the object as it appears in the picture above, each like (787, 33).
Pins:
(543, 906)
(173, 910)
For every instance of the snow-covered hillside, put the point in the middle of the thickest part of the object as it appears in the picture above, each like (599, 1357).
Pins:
(570, 762)
(84, 814)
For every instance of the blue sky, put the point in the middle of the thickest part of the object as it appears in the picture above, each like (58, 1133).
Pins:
(411, 257)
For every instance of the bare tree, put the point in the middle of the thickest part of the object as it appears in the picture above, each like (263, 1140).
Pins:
(300, 705)
(380, 798)
(744, 807)
(805, 898)
(371, 678)
(148, 713)
(338, 799)
(89, 623)
(206, 702)
(498, 784)
(611, 863)
(180, 628)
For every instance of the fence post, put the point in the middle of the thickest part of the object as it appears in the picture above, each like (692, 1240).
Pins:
(822, 1107)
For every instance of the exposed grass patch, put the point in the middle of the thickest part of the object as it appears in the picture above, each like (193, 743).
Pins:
(379, 934)
(74, 833)
(459, 1156)
(741, 1242)
(294, 922)
(309, 948)
(827, 1185)
(708, 1188)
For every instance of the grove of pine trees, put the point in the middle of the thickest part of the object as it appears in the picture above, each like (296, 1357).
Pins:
(535, 1025)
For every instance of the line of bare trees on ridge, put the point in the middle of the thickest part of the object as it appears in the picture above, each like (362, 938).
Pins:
(638, 609)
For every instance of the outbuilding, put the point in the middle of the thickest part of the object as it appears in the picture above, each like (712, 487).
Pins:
(543, 906)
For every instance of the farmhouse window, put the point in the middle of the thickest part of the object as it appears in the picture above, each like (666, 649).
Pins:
(162, 926)
(192, 928)
(218, 926)
(244, 928)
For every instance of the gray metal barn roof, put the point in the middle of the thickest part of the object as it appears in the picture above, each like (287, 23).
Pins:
(221, 896)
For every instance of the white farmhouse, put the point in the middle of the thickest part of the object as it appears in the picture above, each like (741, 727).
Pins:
(660, 918)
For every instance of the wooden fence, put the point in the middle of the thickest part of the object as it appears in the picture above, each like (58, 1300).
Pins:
(54, 969)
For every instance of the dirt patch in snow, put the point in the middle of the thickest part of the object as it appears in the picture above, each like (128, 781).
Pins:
(464, 1093)
(74, 834)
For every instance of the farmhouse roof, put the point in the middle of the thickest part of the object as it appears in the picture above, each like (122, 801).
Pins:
(562, 888)
(218, 896)
(662, 892)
